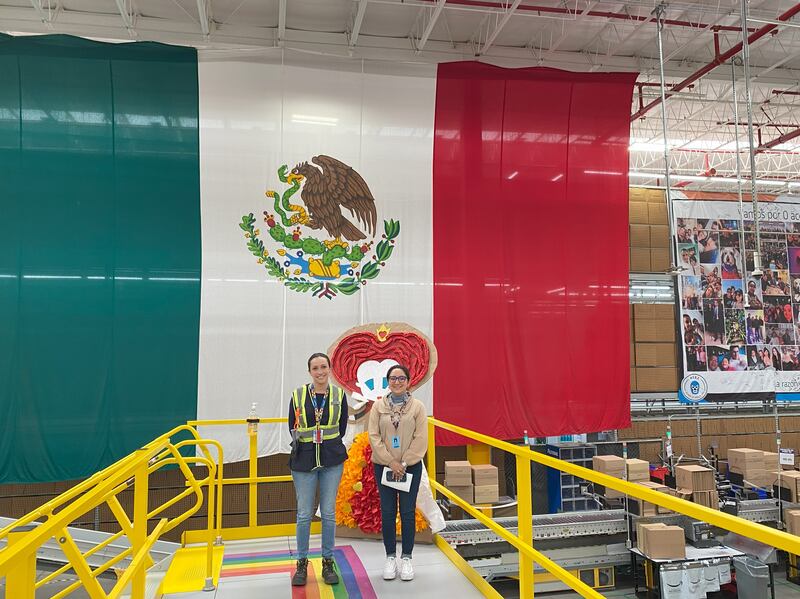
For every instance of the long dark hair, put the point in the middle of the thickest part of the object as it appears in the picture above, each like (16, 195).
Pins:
(318, 355)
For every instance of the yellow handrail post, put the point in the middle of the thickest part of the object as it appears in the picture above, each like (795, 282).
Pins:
(21, 577)
(431, 459)
(524, 526)
(479, 453)
(252, 508)
(212, 482)
(139, 537)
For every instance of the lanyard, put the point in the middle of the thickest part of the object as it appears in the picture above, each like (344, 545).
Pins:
(318, 408)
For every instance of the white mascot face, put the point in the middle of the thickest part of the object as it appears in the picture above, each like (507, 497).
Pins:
(372, 378)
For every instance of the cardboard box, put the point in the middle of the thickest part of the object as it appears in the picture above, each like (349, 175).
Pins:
(457, 469)
(656, 379)
(640, 259)
(464, 491)
(792, 520)
(457, 481)
(657, 214)
(665, 330)
(768, 479)
(644, 311)
(633, 380)
(637, 470)
(650, 509)
(655, 196)
(638, 213)
(484, 474)
(772, 461)
(708, 498)
(659, 236)
(655, 354)
(659, 259)
(609, 464)
(640, 236)
(790, 480)
(641, 533)
(664, 312)
(665, 543)
(613, 466)
(743, 459)
(695, 478)
(486, 494)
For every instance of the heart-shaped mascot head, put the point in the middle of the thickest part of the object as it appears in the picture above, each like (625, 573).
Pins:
(361, 358)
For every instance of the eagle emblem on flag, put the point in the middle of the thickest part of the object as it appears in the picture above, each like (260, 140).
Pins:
(323, 195)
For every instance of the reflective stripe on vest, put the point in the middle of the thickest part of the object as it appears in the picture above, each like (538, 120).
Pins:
(305, 433)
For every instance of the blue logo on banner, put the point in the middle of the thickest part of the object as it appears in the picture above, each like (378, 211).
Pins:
(693, 388)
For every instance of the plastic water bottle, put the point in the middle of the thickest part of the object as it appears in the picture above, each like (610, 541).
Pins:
(252, 420)
(525, 437)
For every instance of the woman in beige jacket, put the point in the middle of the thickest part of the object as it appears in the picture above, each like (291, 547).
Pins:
(398, 433)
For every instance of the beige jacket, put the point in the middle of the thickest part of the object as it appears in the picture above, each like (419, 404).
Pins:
(413, 432)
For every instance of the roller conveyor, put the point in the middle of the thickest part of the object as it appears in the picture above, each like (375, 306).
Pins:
(547, 526)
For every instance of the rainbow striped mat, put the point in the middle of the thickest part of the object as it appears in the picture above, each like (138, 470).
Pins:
(354, 581)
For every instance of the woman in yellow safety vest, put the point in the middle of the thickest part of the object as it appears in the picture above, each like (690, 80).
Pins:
(317, 421)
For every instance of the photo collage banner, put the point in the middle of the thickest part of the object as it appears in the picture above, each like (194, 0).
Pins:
(740, 333)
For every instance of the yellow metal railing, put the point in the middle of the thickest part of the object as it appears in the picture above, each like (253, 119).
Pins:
(51, 521)
(523, 542)
(28, 534)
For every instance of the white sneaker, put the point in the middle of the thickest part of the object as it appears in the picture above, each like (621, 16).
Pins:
(390, 568)
(406, 569)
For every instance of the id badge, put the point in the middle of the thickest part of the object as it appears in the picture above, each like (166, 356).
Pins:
(318, 435)
(395, 442)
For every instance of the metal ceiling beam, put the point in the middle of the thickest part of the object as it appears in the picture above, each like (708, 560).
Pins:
(45, 14)
(362, 9)
(721, 58)
(565, 33)
(281, 21)
(434, 16)
(499, 26)
(127, 17)
(203, 14)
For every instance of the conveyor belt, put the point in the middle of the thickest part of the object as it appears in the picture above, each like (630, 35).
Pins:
(547, 526)
(759, 510)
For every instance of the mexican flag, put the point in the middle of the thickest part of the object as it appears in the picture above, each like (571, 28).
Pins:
(179, 232)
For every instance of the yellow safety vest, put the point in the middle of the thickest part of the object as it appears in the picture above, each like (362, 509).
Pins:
(305, 429)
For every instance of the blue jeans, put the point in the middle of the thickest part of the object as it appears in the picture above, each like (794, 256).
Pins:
(305, 487)
(408, 507)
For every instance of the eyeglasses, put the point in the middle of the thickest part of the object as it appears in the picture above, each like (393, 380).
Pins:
(398, 379)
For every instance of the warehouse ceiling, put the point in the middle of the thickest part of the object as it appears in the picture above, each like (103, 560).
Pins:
(578, 35)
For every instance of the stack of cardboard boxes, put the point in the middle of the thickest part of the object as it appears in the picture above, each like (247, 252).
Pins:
(613, 466)
(759, 468)
(485, 483)
(659, 541)
(645, 508)
(653, 348)
(478, 484)
(697, 483)
(649, 230)
(458, 479)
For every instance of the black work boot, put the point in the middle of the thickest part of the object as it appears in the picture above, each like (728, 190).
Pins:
(301, 573)
(329, 571)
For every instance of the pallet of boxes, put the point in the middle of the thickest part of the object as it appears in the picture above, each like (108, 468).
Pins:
(697, 484)
(753, 468)
(476, 484)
